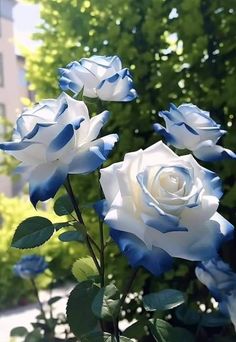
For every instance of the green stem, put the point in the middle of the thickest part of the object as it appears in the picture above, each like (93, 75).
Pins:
(81, 221)
(121, 302)
(116, 329)
(127, 288)
(36, 292)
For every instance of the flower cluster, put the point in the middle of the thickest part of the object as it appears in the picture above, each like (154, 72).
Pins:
(29, 266)
(158, 205)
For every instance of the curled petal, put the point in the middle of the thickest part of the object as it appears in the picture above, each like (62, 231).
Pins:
(155, 260)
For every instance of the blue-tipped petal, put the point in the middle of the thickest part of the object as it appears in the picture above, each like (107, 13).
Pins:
(61, 139)
(101, 208)
(162, 223)
(163, 132)
(91, 159)
(155, 260)
(189, 128)
(132, 95)
(45, 181)
(226, 228)
(36, 128)
(14, 146)
(215, 182)
(207, 151)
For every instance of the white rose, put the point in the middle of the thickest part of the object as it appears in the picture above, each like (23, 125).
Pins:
(166, 202)
(55, 138)
(187, 126)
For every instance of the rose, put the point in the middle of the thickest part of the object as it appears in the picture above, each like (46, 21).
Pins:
(98, 76)
(157, 202)
(221, 281)
(56, 138)
(29, 266)
(187, 126)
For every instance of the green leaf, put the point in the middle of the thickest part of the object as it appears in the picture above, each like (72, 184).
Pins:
(180, 334)
(84, 269)
(54, 300)
(32, 232)
(19, 331)
(72, 236)
(79, 313)
(163, 300)
(106, 301)
(34, 336)
(63, 206)
(137, 329)
(102, 337)
(98, 337)
(60, 225)
(188, 315)
(214, 319)
(161, 330)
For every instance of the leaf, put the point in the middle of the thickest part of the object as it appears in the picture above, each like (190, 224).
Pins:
(98, 337)
(54, 300)
(188, 315)
(72, 236)
(137, 329)
(84, 269)
(106, 301)
(59, 225)
(102, 337)
(180, 334)
(214, 319)
(163, 300)
(79, 313)
(34, 336)
(161, 330)
(63, 206)
(32, 232)
(19, 331)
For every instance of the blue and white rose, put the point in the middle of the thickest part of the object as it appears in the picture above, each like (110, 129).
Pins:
(160, 205)
(189, 127)
(29, 266)
(55, 138)
(98, 76)
(221, 281)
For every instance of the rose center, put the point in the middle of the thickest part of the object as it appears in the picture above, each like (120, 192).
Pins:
(170, 182)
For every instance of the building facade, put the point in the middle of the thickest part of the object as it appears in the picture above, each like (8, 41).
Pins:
(13, 85)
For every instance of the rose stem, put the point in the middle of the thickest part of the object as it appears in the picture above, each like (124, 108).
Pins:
(81, 221)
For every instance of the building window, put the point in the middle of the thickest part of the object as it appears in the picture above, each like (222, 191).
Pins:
(2, 117)
(1, 71)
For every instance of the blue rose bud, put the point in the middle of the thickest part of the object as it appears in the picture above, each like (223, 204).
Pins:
(29, 266)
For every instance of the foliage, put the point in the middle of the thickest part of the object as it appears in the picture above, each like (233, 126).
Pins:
(13, 211)
(172, 60)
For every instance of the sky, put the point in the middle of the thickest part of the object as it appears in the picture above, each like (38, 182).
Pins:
(26, 18)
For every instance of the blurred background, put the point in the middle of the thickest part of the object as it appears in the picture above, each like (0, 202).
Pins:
(177, 51)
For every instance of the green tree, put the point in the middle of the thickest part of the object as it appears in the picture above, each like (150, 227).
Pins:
(177, 51)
